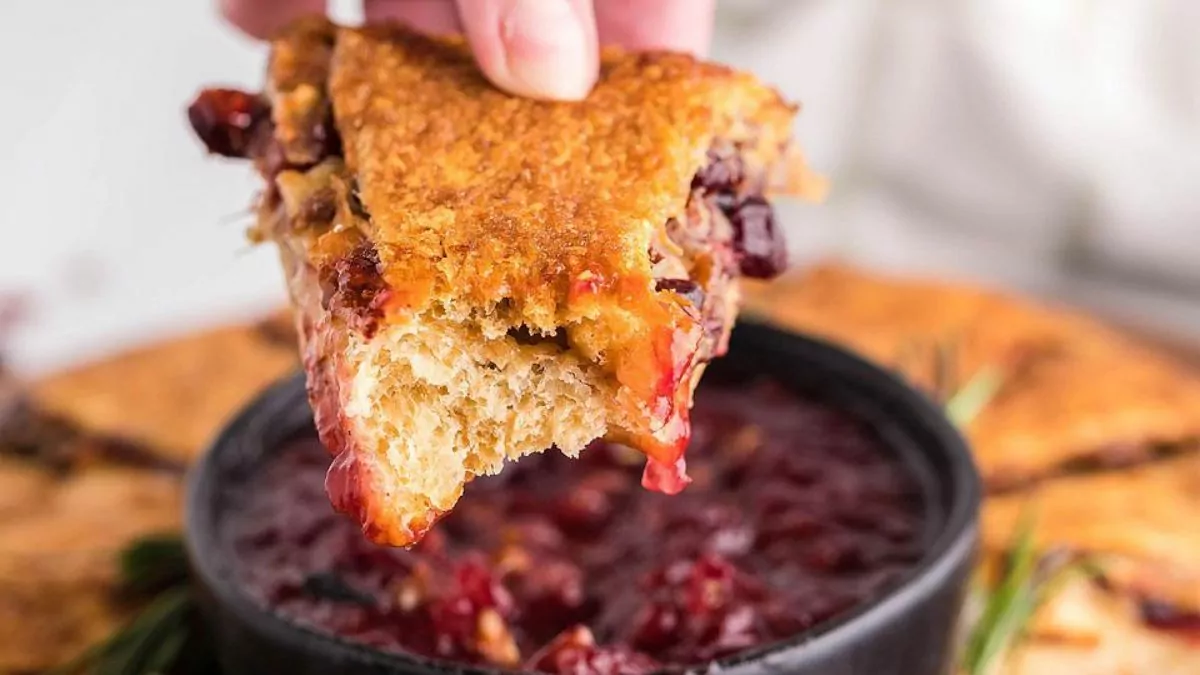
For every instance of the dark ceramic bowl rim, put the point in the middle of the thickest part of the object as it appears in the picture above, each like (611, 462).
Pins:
(952, 544)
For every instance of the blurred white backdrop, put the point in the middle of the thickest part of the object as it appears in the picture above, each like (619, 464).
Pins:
(1054, 146)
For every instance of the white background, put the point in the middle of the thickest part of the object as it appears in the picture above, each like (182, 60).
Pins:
(1053, 146)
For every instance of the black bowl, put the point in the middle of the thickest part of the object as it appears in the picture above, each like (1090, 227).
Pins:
(908, 630)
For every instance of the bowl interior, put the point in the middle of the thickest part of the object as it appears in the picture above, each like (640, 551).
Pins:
(908, 424)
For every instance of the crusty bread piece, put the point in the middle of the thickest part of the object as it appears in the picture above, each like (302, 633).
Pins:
(91, 460)
(1083, 630)
(168, 398)
(1076, 394)
(479, 276)
(1139, 523)
(59, 562)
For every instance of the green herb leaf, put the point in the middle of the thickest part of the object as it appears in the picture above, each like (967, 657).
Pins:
(1008, 606)
(1028, 582)
(970, 400)
(150, 643)
(153, 641)
(153, 563)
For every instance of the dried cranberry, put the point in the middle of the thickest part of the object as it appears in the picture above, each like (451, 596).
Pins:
(228, 120)
(758, 240)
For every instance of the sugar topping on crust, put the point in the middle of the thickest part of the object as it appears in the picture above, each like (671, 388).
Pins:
(478, 196)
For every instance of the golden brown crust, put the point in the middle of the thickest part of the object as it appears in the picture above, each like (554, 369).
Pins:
(1074, 391)
(1140, 523)
(1085, 408)
(496, 197)
(897, 321)
(171, 397)
(299, 67)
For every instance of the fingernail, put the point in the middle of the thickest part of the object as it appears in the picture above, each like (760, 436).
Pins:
(546, 45)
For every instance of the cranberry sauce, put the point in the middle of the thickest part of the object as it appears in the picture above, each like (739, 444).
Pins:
(795, 515)
(1163, 616)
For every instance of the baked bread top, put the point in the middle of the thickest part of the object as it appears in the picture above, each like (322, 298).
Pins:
(476, 196)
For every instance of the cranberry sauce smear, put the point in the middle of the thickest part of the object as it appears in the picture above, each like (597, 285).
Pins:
(795, 515)
(757, 238)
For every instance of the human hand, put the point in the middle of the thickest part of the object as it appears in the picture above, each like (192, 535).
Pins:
(538, 48)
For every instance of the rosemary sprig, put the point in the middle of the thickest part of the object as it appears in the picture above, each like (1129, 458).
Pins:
(153, 563)
(942, 361)
(965, 404)
(1008, 608)
(1029, 581)
(153, 642)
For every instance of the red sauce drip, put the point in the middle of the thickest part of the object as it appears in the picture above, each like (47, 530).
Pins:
(669, 479)
(343, 485)
(794, 515)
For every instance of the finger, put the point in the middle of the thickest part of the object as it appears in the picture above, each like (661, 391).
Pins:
(263, 18)
(436, 17)
(678, 25)
(538, 48)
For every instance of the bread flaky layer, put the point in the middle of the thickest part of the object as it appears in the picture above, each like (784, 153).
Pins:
(433, 403)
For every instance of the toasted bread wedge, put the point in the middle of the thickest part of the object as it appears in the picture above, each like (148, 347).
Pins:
(478, 276)
(1076, 395)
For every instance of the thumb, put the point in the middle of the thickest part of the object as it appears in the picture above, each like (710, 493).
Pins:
(544, 49)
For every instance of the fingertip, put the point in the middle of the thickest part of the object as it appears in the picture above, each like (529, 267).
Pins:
(544, 49)
(262, 19)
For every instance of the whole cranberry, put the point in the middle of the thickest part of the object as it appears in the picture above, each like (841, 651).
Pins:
(226, 120)
(757, 240)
